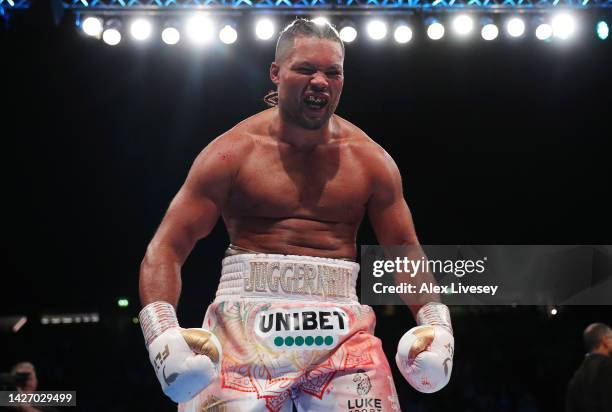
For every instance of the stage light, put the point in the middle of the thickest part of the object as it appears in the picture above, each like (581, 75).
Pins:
(200, 29)
(435, 30)
(463, 24)
(12, 323)
(602, 29)
(554, 311)
(140, 29)
(544, 31)
(264, 29)
(320, 21)
(563, 26)
(111, 36)
(19, 324)
(135, 320)
(123, 303)
(228, 34)
(170, 35)
(402, 33)
(489, 31)
(515, 27)
(70, 318)
(348, 34)
(376, 29)
(92, 26)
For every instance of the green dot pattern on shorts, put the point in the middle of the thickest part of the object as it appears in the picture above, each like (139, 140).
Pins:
(308, 341)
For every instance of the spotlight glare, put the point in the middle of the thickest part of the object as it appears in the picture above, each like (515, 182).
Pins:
(463, 24)
(112, 37)
(435, 31)
(228, 34)
(516, 27)
(544, 31)
(602, 29)
(171, 35)
(140, 29)
(92, 26)
(264, 29)
(200, 29)
(402, 34)
(320, 21)
(563, 26)
(348, 34)
(553, 311)
(489, 32)
(377, 29)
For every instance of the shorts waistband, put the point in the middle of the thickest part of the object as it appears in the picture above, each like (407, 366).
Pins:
(292, 277)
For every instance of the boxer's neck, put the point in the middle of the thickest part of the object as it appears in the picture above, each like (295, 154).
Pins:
(299, 137)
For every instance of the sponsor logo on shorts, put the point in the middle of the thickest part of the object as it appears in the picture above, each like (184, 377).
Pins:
(299, 278)
(362, 383)
(303, 328)
(364, 405)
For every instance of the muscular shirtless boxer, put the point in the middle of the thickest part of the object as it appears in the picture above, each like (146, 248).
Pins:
(292, 185)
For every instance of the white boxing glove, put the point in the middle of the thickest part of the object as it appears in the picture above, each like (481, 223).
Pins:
(185, 360)
(425, 353)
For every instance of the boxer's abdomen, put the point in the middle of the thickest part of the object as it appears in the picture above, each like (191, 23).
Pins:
(294, 236)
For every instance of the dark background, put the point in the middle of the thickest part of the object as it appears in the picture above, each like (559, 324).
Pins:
(505, 142)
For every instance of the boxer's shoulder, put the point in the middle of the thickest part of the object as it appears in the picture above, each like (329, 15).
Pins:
(373, 156)
(250, 132)
(357, 138)
(233, 146)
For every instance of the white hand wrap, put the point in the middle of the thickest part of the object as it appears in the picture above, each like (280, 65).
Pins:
(425, 353)
(185, 360)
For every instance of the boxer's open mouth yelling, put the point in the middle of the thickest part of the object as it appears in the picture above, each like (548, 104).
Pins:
(316, 101)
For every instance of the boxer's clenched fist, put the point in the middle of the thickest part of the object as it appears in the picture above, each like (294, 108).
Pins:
(185, 360)
(425, 353)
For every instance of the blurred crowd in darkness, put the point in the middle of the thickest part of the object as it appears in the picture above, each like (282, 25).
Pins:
(506, 359)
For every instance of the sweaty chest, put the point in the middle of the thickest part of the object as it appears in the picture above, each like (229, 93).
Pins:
(324, 188)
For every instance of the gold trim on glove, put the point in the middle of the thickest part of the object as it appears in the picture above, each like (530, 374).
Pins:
(199, 341)
(425, 335)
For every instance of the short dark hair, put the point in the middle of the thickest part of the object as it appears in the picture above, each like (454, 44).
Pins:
(593, 335)
(301, 28)
(305, 28)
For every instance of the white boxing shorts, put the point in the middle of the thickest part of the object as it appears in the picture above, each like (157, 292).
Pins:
(294, 333)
